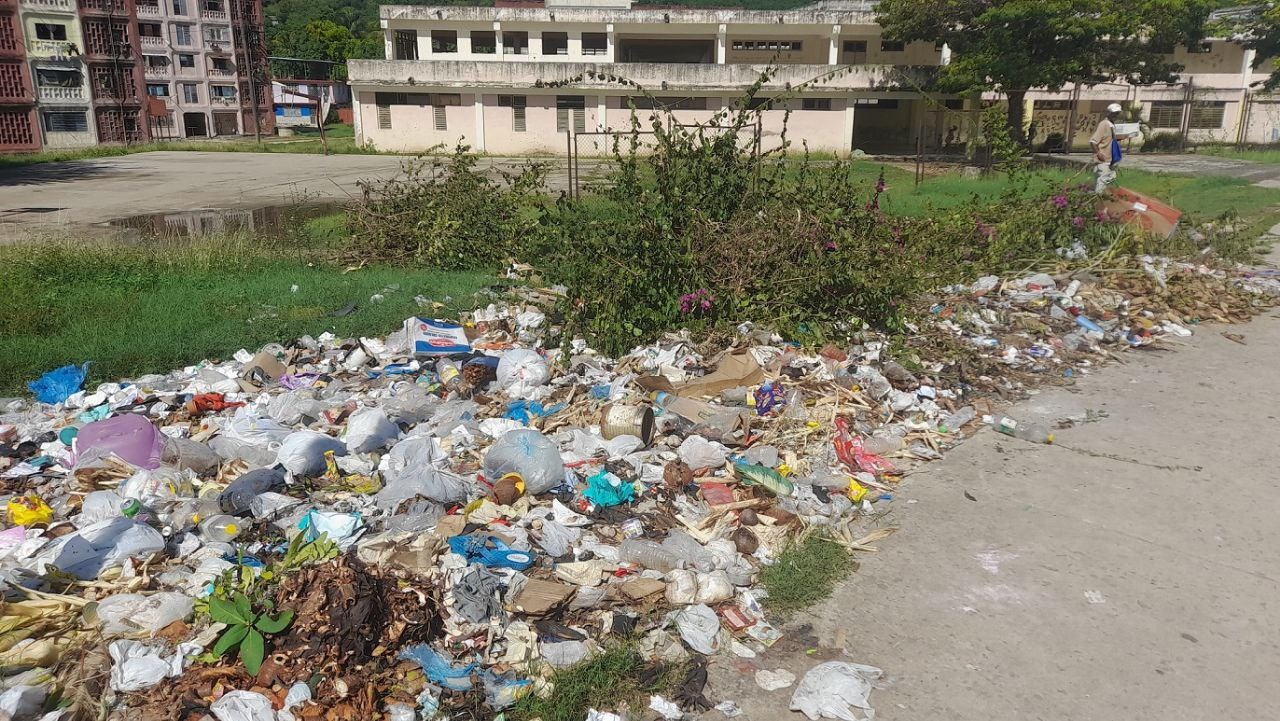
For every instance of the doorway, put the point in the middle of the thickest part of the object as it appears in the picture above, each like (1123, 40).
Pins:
(194, 125)
(225, 124)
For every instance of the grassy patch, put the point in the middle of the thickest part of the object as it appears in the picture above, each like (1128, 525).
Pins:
(1257, 155)
(613, 679)
(805, 573)
(151, 308)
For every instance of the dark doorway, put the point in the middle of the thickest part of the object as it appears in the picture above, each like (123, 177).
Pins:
(194, 125)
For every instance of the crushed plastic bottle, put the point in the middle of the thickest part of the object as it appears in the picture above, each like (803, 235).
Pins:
(1032, 432)
(957, 420)
(649, 555)
(220, 528)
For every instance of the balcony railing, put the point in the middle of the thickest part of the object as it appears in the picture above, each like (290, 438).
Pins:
(219, 15)
(64, 5)
(51, 48)
(219, 100)
(158, 71)
(152, 41)
(148, 11)
(221, 73)
(58, 92)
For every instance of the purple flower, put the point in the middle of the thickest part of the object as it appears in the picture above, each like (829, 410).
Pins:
(701, 298)
(1060, 201)
(1102, 216)
(1077, 222)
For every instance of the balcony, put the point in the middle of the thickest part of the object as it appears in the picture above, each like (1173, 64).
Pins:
(54, 5)
(219, 101)
(221, 73)
(214, 15)
(152, 42)
(52, 48)
(657, 77)
(158, 71)
(58, 92)
(149, 11)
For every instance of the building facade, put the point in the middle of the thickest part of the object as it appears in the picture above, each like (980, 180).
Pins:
(18, 128)
(528, 77)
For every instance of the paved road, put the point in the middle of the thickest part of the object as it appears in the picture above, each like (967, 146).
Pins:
(86, 192)
(1131, 579)
(1264, 174)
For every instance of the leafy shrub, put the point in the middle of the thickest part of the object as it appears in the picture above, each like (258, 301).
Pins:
(1162, 143)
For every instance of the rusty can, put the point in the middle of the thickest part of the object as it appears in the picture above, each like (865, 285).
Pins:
(618, 419)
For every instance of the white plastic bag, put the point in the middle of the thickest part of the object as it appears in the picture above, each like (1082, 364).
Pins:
(685, 587)
(698, 452)
(522, 371)
(139, 666)
(131, 613)
(302, 453)
(699, 627)
(836, 690)
(369, 429)
(243, 706)
(411, 470)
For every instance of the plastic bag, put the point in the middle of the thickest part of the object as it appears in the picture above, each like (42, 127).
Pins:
(699, 627)
(530, 455)
(437, 669)
(851, 453)
(302, 453)
(29, 510)
(188, 454)
(369, 429)
(412, 405)
(605, 489)
(836, 690)
(243, 706)
(521, 372)
(132, 438)
(130, 613)
(411, 471)
(139, 666)
(57, 385)
(685, 587)
(22, 702)
(156, 487)
(238, 497)
(698, 453)
(90, 550)
(99, 506)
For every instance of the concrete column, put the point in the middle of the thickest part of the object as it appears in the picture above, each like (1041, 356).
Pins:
(497, 38)
(721, 35)
(535, 45)
(1246, 68)
(601, 111)
(355, 117)
(833, 54)
(848, 124)
(479, 106)
(609, 44)
(424, 44)
(386, 39)
(575, 45)
(464, 44)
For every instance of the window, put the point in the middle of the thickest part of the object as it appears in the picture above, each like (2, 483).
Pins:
(855, 46)
(49, 31)
(190, 93)
(221, 64)
(1165, 114)
(571, 106)
(641, 102)
(442, 99)
(291, 111)
(441, 117)
(186, 60)
(595, 44)
(216, 34)
(517, 104)
(876, 103)
(444, 41)
(225, 92)
(892, 46)
(404, 45)
(66, 121)
(1199, 48)
(759, 103)
(182, 34)
(484, 42)
(953, 104)
(1207, 114)
(384, 101)
(515, 43)
(767, 45)
(52, 78)
(817, 104)
(179, 7)
(738, 45)
(555, 43)
(158, 90)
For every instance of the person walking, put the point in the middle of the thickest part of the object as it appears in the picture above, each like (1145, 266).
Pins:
(1106, 148)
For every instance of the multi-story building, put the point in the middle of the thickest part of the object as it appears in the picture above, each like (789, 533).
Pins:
(18, 129)
(480, 74)
(55, 50)
(113, 59)
(525, 77)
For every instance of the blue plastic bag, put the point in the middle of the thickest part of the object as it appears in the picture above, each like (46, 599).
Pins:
(57, 385)
(437, 669)
(605, 489)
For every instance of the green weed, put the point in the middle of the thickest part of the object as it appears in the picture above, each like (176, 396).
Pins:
(612, 679)
(805, 573)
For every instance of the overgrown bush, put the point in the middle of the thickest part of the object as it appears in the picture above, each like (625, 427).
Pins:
(444, 212)
(1162, 143)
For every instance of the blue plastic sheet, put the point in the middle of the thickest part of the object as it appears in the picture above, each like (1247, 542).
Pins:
(437, 669)
(523, 411)
(58, 384)
(605, 489)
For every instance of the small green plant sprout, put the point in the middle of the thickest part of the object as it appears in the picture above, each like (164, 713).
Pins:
(246, 630)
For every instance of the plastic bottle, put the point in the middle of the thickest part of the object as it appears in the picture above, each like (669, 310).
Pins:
(1033, 432)
(237, 497)
(687, 550)
(450, 376)
(648, 554)
(528, 454)
(955, 421)
(220, 528)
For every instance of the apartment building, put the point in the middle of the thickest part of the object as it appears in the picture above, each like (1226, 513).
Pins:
(17, 95)
(479, 74)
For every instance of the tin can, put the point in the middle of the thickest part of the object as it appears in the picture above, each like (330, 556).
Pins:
(619, 419)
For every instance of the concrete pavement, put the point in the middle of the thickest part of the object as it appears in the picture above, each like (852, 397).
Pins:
(1128, 573)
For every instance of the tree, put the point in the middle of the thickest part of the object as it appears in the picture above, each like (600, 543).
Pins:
(1261, 26)
(1012, 46)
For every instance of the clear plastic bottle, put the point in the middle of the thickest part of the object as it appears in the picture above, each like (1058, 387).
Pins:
(648, 554)
(1032, 432)
(450, 375)
(685, 548)
(957, 420)
(220, 528)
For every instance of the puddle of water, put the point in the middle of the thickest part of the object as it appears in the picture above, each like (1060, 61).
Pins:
(271, 220)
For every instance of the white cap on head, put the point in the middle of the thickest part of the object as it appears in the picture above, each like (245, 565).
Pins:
(1114, 108)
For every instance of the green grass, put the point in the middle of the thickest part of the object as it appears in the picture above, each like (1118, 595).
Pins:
(341, 140)
(1258, 155)
(805, 573)
(152, 308)
(605, 682)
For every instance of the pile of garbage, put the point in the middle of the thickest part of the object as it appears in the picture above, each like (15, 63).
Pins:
(437, 520)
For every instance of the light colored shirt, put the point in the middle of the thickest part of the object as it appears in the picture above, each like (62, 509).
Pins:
(1102, 137)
